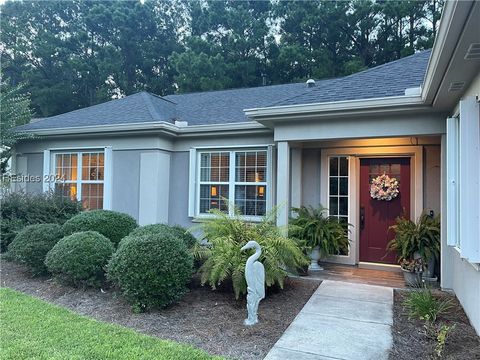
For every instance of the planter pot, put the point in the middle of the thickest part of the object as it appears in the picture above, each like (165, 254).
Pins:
(315, 256)
(429, 271)
(413, 279)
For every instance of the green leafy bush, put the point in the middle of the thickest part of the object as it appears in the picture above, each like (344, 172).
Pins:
(163, 229)
(422, 304)
(80, 258)
(151, 269)
(224, 261)
(315, 228)
(31, 245)
(422, 237)
(21, 209)
(114, 225)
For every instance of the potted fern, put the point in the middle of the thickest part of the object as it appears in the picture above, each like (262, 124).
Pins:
(321, 234)
(416, 240)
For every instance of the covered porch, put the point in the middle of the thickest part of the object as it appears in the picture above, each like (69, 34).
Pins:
(337, 174)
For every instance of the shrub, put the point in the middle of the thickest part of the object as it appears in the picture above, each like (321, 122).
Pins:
(80, 258)
(226, 235)
(151, 269)
(114, 225)
(162, 229)
(21, 209)
(31, 245)
(423, 305)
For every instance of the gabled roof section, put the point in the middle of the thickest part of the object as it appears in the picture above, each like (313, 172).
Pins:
(387, 80)
(137, 108)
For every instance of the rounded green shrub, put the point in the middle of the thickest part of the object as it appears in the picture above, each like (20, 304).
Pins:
(80, 258)
(113, 225)
(164, 229)
(151, 270)
(31, 245)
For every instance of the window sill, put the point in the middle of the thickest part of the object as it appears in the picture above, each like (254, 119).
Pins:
(201, 218)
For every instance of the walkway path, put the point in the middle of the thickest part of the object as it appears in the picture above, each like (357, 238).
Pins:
(340, 321)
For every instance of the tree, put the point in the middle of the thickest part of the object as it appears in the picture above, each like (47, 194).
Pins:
(14, 111)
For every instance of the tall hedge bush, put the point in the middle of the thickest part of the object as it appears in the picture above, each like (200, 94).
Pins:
(80, 258)
(21, 209)
(112, 224)
(31, 245)
(162, 229)
(151, 270)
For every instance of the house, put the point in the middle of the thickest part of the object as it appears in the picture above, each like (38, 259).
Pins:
(173, 158)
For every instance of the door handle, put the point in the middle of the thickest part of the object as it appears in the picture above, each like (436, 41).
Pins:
(362, 217)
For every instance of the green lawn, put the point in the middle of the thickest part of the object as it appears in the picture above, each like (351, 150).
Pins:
(33, 329)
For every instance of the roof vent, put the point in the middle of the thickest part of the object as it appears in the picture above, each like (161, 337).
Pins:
(473, 52)
(310, 83)
(181, 123)
(456, 86)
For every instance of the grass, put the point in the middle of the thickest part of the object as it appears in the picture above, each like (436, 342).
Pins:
(34, 329)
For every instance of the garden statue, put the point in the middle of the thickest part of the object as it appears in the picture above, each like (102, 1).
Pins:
(255, 276)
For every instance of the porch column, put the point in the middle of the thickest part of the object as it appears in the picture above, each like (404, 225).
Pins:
(283, 182)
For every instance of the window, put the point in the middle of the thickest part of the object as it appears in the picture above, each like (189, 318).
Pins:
(338, 191)
(237, 175)
(338, 187)
(80, 175)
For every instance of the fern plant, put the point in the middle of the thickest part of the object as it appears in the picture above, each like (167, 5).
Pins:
(422, 237)
(315, 228)
(223, 237)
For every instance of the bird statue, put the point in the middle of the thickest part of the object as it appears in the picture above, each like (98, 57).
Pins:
(255, 276)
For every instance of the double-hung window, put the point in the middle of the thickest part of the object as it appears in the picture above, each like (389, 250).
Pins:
(80, 175)
(238, 177)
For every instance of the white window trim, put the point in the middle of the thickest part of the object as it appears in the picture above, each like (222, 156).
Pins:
(194, 178)
(452, 209)
(49, 170)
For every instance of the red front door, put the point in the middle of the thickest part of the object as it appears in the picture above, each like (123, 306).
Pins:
(376, 216)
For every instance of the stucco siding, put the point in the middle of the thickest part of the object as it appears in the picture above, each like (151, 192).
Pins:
(431, 178)
(125, 185)
(178, 202)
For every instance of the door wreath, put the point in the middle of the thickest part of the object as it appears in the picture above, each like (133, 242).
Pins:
(384, 187)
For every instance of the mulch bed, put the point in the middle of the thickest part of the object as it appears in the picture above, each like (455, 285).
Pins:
(411, 342)
(211, 320)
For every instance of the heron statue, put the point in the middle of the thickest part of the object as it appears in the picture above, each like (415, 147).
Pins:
(255, 276)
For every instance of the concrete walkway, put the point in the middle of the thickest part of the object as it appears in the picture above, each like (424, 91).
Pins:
(340, 321)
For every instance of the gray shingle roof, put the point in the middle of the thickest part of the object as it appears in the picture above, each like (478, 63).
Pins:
(390, 79)
(136, 108)
(226, 106)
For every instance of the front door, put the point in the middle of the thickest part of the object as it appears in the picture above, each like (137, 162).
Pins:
(377, 215)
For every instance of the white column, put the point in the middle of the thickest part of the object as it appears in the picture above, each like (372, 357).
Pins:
(296, 187)
(283, 182)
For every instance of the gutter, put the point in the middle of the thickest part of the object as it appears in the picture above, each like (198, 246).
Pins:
(158, 126)
(335, 108)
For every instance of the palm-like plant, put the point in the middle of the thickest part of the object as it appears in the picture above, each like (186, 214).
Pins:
(315, 228)
(225, 235)
(422, 237)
